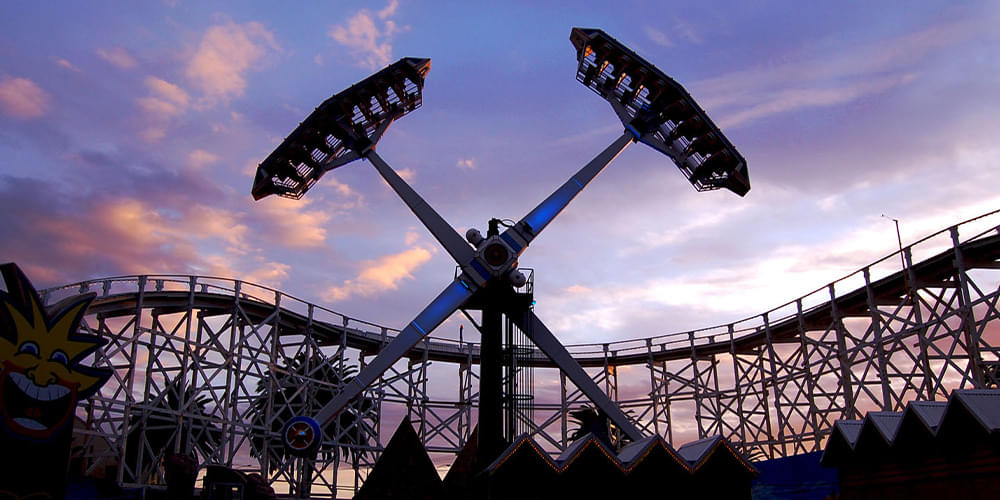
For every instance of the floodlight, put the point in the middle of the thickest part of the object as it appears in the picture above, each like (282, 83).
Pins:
(342, 129)
(659, 112)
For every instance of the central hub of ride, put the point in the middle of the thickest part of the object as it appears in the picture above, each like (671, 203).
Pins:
(497, 254)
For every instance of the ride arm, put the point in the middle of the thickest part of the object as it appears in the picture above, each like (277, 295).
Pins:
(548, 344)
(456, 294)
(532, 224)
(453, 243)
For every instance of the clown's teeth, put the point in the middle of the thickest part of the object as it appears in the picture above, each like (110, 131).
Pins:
(26, 386)
(52, 392)
(30, 424)
(35, 391)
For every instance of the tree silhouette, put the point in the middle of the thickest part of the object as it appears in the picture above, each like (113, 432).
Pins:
(594, 421)
(292, 392)
(590, 421)
(196, 433)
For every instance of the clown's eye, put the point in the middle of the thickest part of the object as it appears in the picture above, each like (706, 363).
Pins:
(59, 357)
(28, 348)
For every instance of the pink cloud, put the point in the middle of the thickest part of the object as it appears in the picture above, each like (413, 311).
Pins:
(22, 98)
(411, 237)
(62, 238)
(164, 102)
(341, 188)
(369, 36)
(267, 273)
(165, 99)
(117, 57)
(205, 221)
(200, 158)
(123, 234)
(225, 54)
(65, 64)
(408, 174)
(271, 274)
(291, 223)
(154, 133)
(380, 275)
(141, 224)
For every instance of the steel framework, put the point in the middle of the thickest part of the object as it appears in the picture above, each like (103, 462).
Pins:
(773, 383)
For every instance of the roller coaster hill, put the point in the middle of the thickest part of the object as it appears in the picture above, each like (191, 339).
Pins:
(773, 383)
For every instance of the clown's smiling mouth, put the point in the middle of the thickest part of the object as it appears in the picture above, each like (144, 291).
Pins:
(33, 409)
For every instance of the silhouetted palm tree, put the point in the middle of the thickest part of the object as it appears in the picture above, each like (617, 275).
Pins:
(754, 454)
(590, 421)
(161, 429)
(594, 421)
(292, 394)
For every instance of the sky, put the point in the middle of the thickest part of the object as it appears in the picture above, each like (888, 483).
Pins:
(130, 133)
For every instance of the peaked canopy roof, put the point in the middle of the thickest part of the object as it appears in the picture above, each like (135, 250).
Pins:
(689, 457)
(965, 419)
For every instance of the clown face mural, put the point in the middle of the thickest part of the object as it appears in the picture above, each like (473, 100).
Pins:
(41, 378)
(41, 382)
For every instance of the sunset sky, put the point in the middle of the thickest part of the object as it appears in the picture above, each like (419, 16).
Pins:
(130, 132)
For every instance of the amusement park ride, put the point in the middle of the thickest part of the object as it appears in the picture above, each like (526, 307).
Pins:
(654, 110)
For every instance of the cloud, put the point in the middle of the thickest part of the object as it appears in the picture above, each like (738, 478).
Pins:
(341, 188)
(380, 275)
(786, 100)
(217, 223)
(369, 36)
(267, 273)
(117, 57)
(165, 99)
(411, 237)
(135, 173)
(407, 174)
(153, 134)
(718, 268)
(389, 9)
(688, 31)
(224, 56)
(22, 98)
(702, 217)
(823, 77)
(387, 272)
(164, 102)
(140, 224)
(290, 223)
(658, 37)
(271, 274)
(68, 236)
(65, 234)
(830, 203)
(466, 163)
(661, 304)
(65, 64)
(347, 199)
(200, 158)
